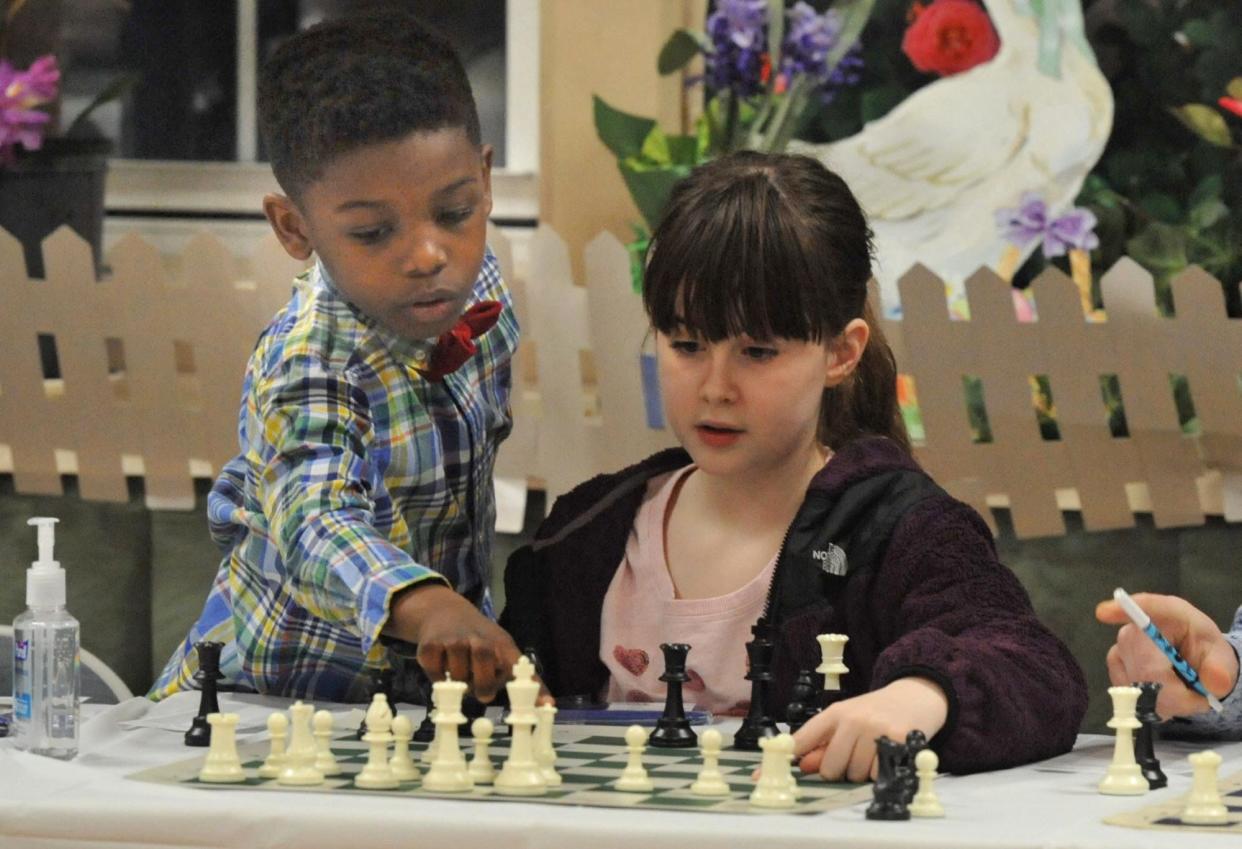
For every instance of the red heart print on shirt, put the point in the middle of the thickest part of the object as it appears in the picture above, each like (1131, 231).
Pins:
(633, 661)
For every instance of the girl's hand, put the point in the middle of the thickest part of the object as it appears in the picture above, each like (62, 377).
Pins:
(839, 741)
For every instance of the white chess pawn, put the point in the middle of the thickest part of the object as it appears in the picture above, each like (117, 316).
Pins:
(925, 802)
(401, 763)
(832, 650)
(520, 775)
(775, 773)
(222, 765)
(710, 782)
(545, 751)
(481, 769)
(300, 757)
(1203, 803)
(278, 731)
(634, 778)
(448, 773)
(1124, 777)
(325, 761)
(377, 774)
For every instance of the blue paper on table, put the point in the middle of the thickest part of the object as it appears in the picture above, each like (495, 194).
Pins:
(623, 716)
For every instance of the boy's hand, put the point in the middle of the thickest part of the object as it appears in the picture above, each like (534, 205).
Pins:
(1134, 657)
(454, 637)
(839, 741)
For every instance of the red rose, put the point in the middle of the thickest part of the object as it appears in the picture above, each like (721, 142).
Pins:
(949, 36)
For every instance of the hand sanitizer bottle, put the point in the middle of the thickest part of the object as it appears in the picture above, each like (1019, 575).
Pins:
(46, 659)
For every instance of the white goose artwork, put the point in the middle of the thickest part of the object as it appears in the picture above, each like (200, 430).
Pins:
(932, 172)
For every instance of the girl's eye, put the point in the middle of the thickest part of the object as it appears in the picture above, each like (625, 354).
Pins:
(758, 353)
(453, 217)
(685, 346)
(372, 236)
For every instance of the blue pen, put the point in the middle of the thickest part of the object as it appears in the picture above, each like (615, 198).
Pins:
(1184, 670)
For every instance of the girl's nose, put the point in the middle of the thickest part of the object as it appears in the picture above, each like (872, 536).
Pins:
(426, 258)
(718, 386)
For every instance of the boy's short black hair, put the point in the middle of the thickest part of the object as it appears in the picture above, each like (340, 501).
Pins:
(356, 81)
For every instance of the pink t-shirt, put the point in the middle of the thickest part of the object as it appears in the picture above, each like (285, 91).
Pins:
(641, 611)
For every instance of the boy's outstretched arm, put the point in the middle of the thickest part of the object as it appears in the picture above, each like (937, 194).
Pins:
(454, 637)
(1195, 636)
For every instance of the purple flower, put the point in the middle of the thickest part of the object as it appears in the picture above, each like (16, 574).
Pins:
(808, 40)
(1075, 229)
(738, 31)
(20, 92)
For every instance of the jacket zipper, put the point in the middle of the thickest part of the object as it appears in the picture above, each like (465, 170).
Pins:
(776, 570)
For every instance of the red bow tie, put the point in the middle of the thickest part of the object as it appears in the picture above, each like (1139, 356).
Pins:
(456, 345)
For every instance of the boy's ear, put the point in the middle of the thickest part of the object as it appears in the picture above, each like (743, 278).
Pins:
(845, 351)
(487, 152)
(289, 225)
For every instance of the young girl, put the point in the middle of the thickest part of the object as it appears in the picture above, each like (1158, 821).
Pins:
(794, 497)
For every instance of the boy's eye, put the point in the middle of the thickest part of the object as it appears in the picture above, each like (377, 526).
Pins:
(451, 217)
(759, 353)
(371, 235)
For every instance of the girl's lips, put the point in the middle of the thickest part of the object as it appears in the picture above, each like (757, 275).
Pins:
(717, 437)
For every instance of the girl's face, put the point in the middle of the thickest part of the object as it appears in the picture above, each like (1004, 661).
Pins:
(743, 407)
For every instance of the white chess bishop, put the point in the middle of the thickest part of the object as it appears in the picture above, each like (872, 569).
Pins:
(377, 774)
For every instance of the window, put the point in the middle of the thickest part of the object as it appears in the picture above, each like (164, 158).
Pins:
(186, 135)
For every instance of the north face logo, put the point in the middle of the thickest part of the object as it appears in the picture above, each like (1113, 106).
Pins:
(831, 559)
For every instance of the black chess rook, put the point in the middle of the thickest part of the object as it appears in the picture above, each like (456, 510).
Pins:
(206, 677)
(672, 729)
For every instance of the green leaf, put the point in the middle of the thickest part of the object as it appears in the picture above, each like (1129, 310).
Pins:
(1209, 188)
(683, 150)
(877, 102)
(655, 148)
(112, 91)
(1162, 207)
(1234, 88)
(853, 15)
(1159, 247)
(680, 49)
(651, 186)
(1208, 212)
(776, 37)
(1205, 122)
(621, 132)
(1200, 33)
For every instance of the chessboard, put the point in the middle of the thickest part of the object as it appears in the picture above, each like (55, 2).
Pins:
(1166, 816)
(589, 760)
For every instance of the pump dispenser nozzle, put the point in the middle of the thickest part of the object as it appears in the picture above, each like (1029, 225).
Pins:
(45, 579)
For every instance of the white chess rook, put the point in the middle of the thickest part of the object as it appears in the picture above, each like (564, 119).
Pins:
(1203, 803)
(1124, 777)
(222, 766)
(634, 778)
(832, 652)
(448, 773)
(773, 789)
(520, 775)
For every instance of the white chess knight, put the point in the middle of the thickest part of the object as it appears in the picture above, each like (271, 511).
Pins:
(832, 650)
(277, 732)
(634, 777)
(521, 775)
(776, 787)
(448, 773)
(1124, 777)
(925, 802)
(222, 765)
(377, 774)
(300, 757)
(710, 782)
(1203, 803)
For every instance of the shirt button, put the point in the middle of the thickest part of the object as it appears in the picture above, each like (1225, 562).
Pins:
(420, 357)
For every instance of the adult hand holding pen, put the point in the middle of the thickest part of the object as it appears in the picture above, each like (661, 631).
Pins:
(1134, 657)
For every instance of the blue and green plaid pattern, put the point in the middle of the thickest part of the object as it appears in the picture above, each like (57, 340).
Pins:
(356, 478)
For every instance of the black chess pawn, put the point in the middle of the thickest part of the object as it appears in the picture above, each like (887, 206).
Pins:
(1145, 739)
(207, 675)
(889, 795)
(758, 722)
(672, 729)
(802, 700)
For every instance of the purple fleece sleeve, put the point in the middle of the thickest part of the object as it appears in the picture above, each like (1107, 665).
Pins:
(1016, 693)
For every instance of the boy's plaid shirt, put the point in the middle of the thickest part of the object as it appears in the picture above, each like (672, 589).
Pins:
(357, 477)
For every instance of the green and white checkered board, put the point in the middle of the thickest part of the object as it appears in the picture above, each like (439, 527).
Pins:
(589, 759)
(1167, 816)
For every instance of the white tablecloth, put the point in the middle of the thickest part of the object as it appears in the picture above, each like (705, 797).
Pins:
(87, 802)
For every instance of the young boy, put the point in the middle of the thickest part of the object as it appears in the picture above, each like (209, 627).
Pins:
(361, 502)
